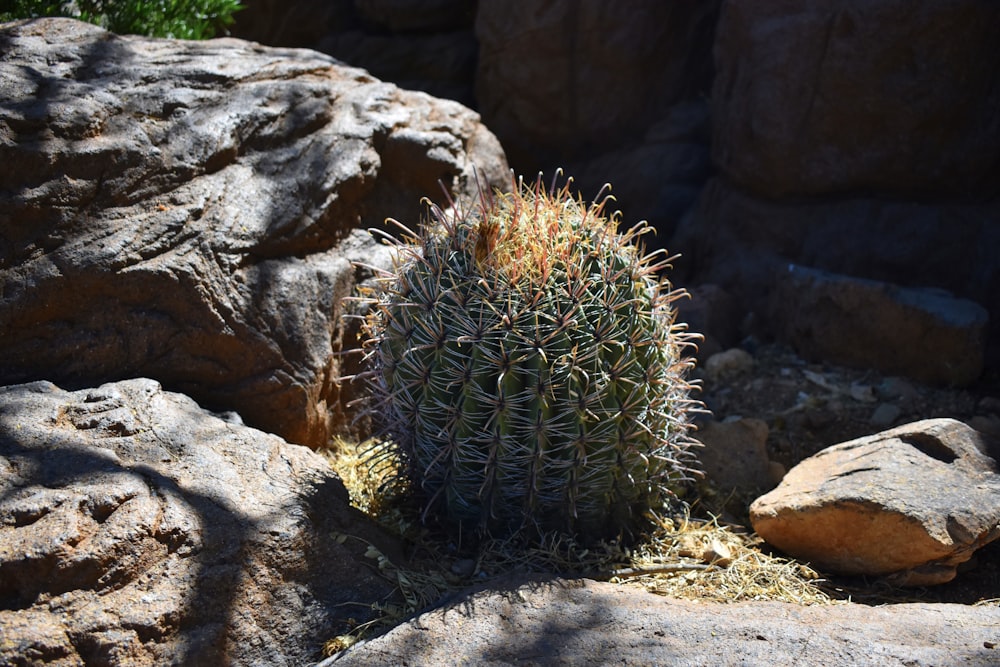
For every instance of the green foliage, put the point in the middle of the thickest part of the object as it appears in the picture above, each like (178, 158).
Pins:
(527, 366)
(180, 19)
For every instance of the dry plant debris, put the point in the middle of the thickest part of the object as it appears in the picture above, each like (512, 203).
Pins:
(684, 557)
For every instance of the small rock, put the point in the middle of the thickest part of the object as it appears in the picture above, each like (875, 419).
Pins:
(735, 454)
(731, 363)
(989, 405)
(920, 498)
(463, 567)
(892, 388)
(862, 393)
(885, 414)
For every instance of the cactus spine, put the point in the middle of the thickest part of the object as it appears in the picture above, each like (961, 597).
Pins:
(526, 363)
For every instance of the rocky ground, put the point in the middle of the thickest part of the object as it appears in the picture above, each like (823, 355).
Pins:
(810, 406)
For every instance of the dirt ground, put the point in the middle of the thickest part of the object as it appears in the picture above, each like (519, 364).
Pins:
(808, 407)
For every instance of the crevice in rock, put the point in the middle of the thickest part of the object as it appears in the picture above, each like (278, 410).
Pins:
(929, 445)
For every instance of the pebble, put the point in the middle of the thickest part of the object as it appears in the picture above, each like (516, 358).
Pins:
(730, 363)
(885, 414)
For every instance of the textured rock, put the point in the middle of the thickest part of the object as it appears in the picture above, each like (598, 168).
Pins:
(559, 81)
(858, 96)
(184, 211)
(744, 244)
(924, 334)
(408, 16)
(913, 502)
(591, 623)
(138, 529)
(658, 176)
(735, 454)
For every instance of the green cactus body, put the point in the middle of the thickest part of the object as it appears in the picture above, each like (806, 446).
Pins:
(526, 364)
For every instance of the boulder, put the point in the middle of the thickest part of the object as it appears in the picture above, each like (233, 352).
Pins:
(138, 529)
(858, 96)
(410, 16)
(913, 502)
(442, 64)
(566, 80)
(592, 623)
(744, 243)
(187, 211)
(924, 334)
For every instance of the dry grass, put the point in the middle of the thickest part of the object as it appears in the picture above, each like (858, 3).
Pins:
(694, 559)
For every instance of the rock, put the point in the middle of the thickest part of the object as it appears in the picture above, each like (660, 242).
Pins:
(885, 414)
(591, 623)
(442, 64)
(410, 16)
(735, 454)
(138, 529)
(914, 502)
(295, 23)
(924, 334)
(728, 364)
(897, 389)
(186, 211)
(713, 313)
(547, 72)
(744, 244)
(659, 176)
(821, 98)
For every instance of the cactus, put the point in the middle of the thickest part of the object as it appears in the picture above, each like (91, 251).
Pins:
(526, 364)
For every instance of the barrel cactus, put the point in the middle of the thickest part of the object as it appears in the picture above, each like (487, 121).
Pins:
(527, 367)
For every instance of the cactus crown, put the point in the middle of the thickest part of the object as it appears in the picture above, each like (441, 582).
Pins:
(526, 365)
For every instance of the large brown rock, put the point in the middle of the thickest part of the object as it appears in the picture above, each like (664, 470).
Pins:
(894, 96)
(138, 529)
(591, 623)
(185, 211)
(561, 81)
(914, 502)
(924, 334)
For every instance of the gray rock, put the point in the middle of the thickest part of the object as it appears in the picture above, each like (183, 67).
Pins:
(138, 529)
(590, 623)
(924, 334)
(913, 502)
(187, 211)
(832, 97)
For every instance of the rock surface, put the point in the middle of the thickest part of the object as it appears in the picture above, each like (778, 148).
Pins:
(591, 623)
(184, 211)
(734, 455)
(547, 72)
(139, 529)
(744, 243)
(913, 502)
(852, 95)
(925, 334)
